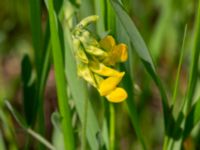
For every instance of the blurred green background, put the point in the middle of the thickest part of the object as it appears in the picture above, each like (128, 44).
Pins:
(161, 24)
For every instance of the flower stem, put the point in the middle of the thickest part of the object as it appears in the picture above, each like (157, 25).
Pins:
(112, 126)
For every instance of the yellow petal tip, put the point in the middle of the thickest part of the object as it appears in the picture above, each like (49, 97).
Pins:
(107, 43)
(124, 53)
(117, 95)
(109, 84)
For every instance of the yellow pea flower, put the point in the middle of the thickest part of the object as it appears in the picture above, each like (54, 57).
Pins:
(93, 50)
(109, 84)
(107, 87)
(107, 43)
(96, 61)
(103, 70)
(117, 95)
(116, 53)
(120, 51)
(85, 73)
(82, 56)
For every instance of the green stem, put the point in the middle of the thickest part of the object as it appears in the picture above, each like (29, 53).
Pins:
(112, 126)
(41, 139)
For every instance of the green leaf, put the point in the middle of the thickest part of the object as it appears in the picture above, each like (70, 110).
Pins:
(142, 51)
(192, 119)
(179, 68)
(195, 62)
(110, 21)
(133, 33)
(40, 139)
(60, 77)
(29, 89)
(36, 28)
(57, 138)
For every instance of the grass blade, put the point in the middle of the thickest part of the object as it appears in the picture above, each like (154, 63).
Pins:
(29, 90)
(35, 12)
(133, 33)
(194, 67)
(20, 120)
(142, 51)
(191, 88)
(110, 21)
(192, 119)
(179, 69)
(60, 78)
(41, 139)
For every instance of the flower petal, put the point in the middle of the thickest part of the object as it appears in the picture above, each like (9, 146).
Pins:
(81, 56)
(107, 43)
(117, 54)
(86, 74)
(103, 70)
(117, 95)
(95, 51)
(122, 50)
(110, 83)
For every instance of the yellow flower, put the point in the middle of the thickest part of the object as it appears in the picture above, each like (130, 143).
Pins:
(107, 87)
(82, 56)
(121, 50)
(96, 61)
(109, 84)
(117, 95)
(116, 53)
(107, 43)
(93, 50)
(85, 73)
(103, 70)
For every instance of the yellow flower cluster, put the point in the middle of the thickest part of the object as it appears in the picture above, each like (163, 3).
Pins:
(96, 62)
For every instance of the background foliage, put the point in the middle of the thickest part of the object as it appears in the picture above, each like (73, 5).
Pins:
(42, 100)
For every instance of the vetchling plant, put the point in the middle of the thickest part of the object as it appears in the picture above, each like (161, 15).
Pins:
(99, 60)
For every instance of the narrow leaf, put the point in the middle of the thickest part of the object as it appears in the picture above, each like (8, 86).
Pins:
(133, 33)
(192, 119)
(195, 60)
(142, 50)
(60, 77)
(29, 89)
